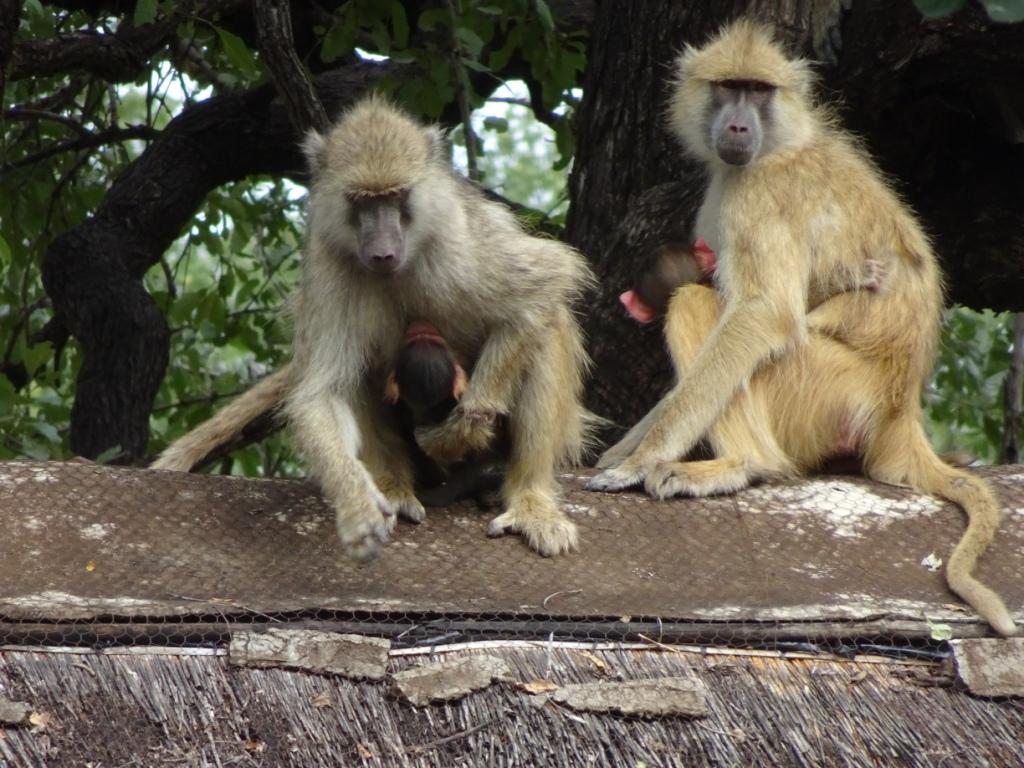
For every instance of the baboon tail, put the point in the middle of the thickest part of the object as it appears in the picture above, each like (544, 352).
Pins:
(188, 451)
(925, 471)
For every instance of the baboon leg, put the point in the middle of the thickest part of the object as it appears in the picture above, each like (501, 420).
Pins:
(741, 437)
(544, 423)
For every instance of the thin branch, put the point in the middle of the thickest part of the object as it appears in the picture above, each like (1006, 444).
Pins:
(418, 748)
(86, 142)
(277, 49)
(209, 399)
(462, 94)
(540, 112)
(28, 113)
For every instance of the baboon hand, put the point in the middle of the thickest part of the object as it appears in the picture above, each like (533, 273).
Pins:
(539, 520)
(628, 474)
(364, 524)
(400, 498)
(466, 430)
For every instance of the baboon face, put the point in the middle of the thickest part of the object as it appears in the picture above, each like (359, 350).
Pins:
(739, 116)
(380, 223)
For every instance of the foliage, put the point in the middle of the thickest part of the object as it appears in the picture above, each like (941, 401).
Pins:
(964, 399)
(1006, 11)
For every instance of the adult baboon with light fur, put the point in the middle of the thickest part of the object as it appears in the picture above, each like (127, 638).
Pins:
(793, 210)
(394, 234)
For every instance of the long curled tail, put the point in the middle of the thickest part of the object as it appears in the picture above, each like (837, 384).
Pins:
(912, 461)
(189, 450)
(983, 515)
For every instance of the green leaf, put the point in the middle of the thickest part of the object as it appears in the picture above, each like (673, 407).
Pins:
(5, 249)
(1005, 11)
(399, 25)
(381, 38)
(939, 631)
(499, 59)
(470, 40)
(145, 12)
(48, 431)
(339, 41)
(544, 14)
(237, 52)
(35, 356)
(934, 9)
(107, 455)
(430, 19)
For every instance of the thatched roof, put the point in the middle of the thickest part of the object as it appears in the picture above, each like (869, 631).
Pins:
(172, 710)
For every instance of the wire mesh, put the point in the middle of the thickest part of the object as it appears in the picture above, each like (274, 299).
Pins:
(101, 556)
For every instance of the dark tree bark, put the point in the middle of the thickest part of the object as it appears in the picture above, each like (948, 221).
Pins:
(115, 57)
(939, 103)
(277, 47)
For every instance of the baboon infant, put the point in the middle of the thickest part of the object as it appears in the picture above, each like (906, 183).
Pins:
(676, 264)
(426, 385)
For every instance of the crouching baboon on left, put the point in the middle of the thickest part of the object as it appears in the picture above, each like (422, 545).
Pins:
(395, 234)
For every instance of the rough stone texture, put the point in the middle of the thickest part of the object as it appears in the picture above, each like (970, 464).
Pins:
(664, 697)
(449, 679)
(13, 712)
(991, 667)
(348, 655)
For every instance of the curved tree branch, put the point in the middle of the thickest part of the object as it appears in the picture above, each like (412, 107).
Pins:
(116, 57)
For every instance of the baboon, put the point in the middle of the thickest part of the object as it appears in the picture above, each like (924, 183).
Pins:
(426, 379)
(674, 265)
(793, 209)
(426, 385)
(393, 234)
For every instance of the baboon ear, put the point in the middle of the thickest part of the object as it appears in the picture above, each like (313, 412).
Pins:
(314, 145)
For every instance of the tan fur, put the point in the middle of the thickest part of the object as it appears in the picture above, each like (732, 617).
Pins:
(501, 298)
(771, 381)
(185, 453)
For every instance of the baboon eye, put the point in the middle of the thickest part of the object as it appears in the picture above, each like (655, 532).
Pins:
(404, 207)
(758, 86)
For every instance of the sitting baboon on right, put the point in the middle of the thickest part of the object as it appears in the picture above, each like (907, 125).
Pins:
(778, 365)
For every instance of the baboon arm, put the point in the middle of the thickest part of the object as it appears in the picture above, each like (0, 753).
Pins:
(499, 370)
(493, 383)
(743, 340)
(325, 429)
(763, 275)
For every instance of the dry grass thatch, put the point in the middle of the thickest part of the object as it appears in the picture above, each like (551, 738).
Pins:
(185, 710)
